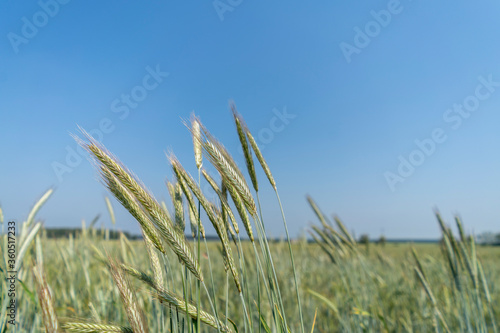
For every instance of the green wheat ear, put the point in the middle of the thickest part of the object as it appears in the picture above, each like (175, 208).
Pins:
(109, 165)
(241, 128)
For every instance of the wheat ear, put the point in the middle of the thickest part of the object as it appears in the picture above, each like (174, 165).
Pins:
(212, 214)
(240, 207)
(95, 328)
(192, 210)
(134, 312)
(230, 175)
(176, 195)
(261, 159)
(158, 216)
(196, 132)
(46, 300)
(226, 166)
(128, 201)
(240, 128)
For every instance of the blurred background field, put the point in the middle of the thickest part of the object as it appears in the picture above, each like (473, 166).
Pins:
(376, 290)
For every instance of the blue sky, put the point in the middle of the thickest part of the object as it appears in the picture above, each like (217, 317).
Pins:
(352, 117)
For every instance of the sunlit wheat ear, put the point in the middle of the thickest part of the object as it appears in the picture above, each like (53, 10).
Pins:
(225, 205)
(94, 328)
(261, 159)
(134, 312)
(240, 207)
(193, 211)
(46, 299)
(151, 236)
(212, 213)
(226, 166)
(196, 132)
(157, 215)
(129, 202)
(230, 175)
(207, 136)
(176, 195)
(240, 128)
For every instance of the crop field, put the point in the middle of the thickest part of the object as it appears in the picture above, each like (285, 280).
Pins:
(176, 280)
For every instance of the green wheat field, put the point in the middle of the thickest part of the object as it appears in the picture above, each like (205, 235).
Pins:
(173, 279)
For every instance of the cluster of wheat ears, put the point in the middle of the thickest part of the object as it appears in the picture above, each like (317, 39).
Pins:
(243, 287)
(162, 230)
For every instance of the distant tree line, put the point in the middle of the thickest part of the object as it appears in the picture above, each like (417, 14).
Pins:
(113, 234)
(488, 238)
(75, 232)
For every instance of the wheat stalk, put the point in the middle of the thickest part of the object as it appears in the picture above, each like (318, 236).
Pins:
(110, 210)
(225, 205)
(166, 296)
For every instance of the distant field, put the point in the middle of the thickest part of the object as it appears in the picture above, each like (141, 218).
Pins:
(378, 290)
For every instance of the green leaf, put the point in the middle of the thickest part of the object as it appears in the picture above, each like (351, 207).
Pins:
(27, 291)
(325, 300)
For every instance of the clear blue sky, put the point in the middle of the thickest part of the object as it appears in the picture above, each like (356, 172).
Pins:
(359, 104)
